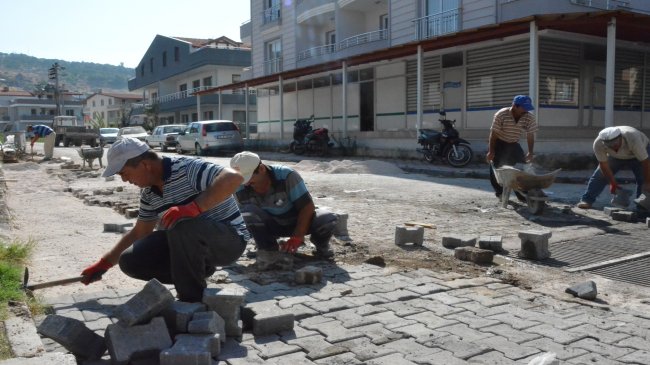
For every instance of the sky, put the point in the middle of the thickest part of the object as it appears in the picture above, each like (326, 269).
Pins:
(112, 32)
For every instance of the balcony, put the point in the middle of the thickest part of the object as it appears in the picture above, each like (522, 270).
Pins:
(355, 45)
(273, 66)
(246, 31)
(272, 14)
(603, 4)
(437, 24)
(317, 51)
(186, 99)
(363, 38)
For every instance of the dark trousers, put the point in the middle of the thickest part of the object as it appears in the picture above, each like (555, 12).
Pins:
(184, 255)
(266, 229)
(505, 154)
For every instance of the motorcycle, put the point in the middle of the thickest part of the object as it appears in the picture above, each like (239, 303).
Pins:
(446, 145)
(305, 138)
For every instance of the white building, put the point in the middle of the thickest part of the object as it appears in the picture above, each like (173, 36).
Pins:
(113, 108)
(376, 70)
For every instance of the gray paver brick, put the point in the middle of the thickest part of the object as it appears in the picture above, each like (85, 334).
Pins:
(335, 332)
(431, 320)
(435, 307)
(557, 335)
(392, 359)
(269, 346)
(402, 309)
(562, 352)
(488, 298)
(151, 338)
(74, 336)
(347, 358)
(593, 359)
(366, 350)
(492, 358)
(602, 335)
(473, 320)
(350, 319)
(378, 334)
(636, 357)
(511, 350)
(317, 347)
(443, 357)
(638, 343)
(333, 304)
(22, 337)
(464, 332)
(465, 283)
(365, 299)
(296, 332)
(412, 350)
(291, 301)
(462, 349)
(420, 332)
(513, 321)
(427, 288)
(149, 302)
(391, 320)
(446, 298)
(398, 295)
(511, 333)
(608, 351)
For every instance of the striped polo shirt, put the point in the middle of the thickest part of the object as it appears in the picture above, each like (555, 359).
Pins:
(508, 130)
(184, 179)
(286, 197)
(41, 130)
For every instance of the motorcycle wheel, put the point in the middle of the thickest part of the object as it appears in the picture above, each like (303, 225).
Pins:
(427, 154)
(299, 148)
(292, 147)
(461, 157)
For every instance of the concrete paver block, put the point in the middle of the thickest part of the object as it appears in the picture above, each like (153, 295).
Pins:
(473, 254)
(267, 323)
(586, 290)
(407, 234)
(146, 304)
(22, 337)
(453, 241)
(493, 243)
(74, 336)
(624, 216)
(179, 314)
(534, 244)
(227, 303)
(309, 275)
(144, 340)
(647, 222)
(207, 322)
(191, 349)
(610, 210)
(49, 358)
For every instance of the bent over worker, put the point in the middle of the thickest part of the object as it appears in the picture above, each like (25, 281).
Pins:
(193, 201)
(48, 135)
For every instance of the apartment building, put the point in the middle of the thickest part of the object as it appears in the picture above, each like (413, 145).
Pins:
(20, 108)
(174, 69)
(114, 109)
(377, 70)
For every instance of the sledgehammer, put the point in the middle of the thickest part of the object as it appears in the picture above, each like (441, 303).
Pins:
(48, 284)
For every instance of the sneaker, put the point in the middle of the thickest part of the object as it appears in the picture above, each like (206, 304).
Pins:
(584, 205)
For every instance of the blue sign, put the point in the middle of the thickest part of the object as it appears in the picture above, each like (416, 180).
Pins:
(451, 85)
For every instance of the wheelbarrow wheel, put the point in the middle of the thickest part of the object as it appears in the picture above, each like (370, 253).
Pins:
(536, 201)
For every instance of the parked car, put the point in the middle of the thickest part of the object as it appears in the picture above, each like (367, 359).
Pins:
(164, 136)
(135, 132)
(210, 136)
(107, 135)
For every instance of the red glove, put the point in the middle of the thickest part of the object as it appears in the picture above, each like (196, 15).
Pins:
(292, 245)
(613, 187)
(173, 214)
(95, 271)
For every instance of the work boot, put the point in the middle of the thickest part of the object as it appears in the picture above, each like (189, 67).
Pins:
(324, 252)
(584, 205)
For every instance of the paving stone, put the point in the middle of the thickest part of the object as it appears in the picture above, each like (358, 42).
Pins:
(443, 357)
(269, 347)
(391, 320)
(331, 305)
(586, 290)
(492, 358)
(22, 337)
(402, 309)
(534, 244)
(297, 358)
(467, 283)
(365, 299)
(226, 302)
(453, 241)
(435, 306)
(268, 322)
(493, 243)
(317, 347)
(179, 314)
(392, 359)
(206, 323)
(232, 349)
(427, 288)
(593, 359)
(296, 332)
(406, 234)
(601, 335)
(411, 350)
(608, 351)
(462, 349)
(301, 311)
(378, 334)
(513, 321)
(638, 343)
(472, 320)
(350, 319)
(431, 320)
(347, 358)
(366, 350)
(291, 301)
(50, 358)
(509, 349)
(446, 298)
(191, 349)
(335, 332)
(624, 216)
(309, 275)
(636, 357)
(557, 335)
(474, 254)
(419, 332)
(145, 305)
(464, 332)
(398, 295)
(74, 336)
(510, 333)
(125, 343)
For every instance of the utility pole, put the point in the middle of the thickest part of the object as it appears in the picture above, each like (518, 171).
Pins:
(53, 74)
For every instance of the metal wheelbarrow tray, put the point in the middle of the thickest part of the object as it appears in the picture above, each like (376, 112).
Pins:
(89, 154)
(528, 184)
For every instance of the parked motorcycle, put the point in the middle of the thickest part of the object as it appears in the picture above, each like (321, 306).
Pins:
(307, 139)
(446, 145)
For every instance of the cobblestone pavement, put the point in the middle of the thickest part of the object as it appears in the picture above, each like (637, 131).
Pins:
(371, 315)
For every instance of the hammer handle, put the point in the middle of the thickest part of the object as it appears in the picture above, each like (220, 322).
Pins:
(48, 284)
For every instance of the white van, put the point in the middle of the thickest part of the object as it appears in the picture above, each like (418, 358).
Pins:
(210, 136)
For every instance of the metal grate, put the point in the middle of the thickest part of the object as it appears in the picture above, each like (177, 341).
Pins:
(634, 272)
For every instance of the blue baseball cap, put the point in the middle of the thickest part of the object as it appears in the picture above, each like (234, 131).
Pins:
(524, 102)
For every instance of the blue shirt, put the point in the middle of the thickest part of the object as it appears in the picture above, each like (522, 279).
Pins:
(184, 179)
(41, 130)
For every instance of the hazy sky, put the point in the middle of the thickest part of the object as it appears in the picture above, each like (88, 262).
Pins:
(111, 32)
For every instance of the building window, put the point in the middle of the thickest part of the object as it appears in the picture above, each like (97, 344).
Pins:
(383, 26)
(177, 54)
(110, 101)
(164, 57)
(94, 104)
(142, 69)
(273, 56)
(185, 119)
(170, 120)
(271, 11)
(151, 65)
(236, 78)
(101, 102)
(33, 111)
(208, 115)
(207, 81)
(196, 84)
(452, 59)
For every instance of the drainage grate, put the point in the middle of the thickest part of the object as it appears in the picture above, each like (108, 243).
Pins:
(597, 249)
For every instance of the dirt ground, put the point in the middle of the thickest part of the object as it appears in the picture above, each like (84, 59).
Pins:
(376, 195)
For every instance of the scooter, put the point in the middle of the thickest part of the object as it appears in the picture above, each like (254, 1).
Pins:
(307, 139)
(445, 145)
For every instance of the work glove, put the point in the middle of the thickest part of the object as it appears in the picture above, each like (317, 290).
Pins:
(95, 271)
(613, 186)
(173, 214)
(291, 245)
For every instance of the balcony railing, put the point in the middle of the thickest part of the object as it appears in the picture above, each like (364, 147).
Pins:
(376, 35)
(603, 4)
(188, 94)
(273, 66)
(437, 24)
(271, 14)
(368, 37)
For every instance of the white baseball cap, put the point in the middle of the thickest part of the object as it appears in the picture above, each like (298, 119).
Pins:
(122, 150)
(609, 133)
(246, 163)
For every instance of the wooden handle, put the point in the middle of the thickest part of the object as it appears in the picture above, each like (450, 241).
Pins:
(48, 284)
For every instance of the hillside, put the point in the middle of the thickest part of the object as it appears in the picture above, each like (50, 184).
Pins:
(31, 73)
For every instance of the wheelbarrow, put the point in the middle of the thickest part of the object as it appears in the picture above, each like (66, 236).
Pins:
(527, 183)
(89, 154)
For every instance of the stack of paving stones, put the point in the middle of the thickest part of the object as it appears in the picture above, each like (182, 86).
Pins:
(125, 203)
(364, 314)
(465, 249)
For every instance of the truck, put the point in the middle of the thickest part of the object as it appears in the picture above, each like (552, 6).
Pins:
(69, 130)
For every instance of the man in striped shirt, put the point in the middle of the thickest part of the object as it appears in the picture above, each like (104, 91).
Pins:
(276, 203)
(192, 201)
(48, 135)
(508, 126)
